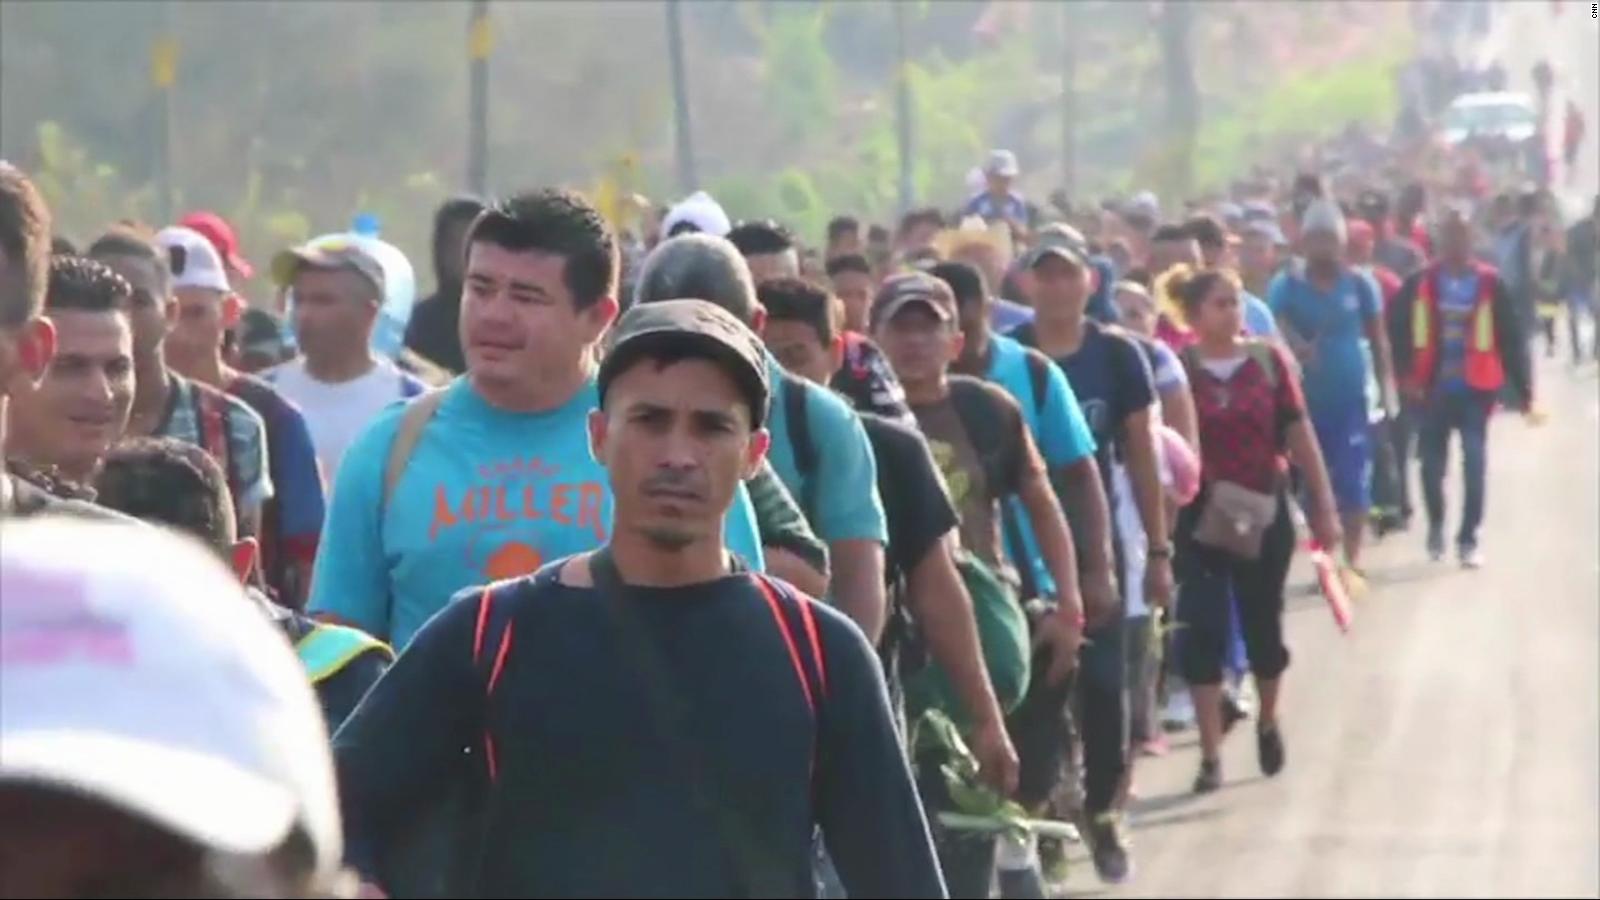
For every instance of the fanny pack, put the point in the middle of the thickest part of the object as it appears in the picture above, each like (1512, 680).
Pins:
(1235, 519)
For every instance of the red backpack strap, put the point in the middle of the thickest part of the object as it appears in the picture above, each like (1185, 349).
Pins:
(487, 644)
(211, 409)
(797, 624)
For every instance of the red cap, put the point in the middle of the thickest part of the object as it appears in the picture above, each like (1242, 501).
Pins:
(1361, 232)
(217, 230)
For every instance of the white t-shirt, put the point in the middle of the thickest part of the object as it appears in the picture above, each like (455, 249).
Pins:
(337, 413)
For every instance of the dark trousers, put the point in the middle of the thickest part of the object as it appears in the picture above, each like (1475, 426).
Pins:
(1467, 412)
(1102, 713)
(1209, 576)
(1043, 733)
(1402, 430)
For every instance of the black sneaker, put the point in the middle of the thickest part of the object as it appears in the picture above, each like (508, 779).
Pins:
(1108, 847)
(1210, 777)
(1269, 750)
(1022, 884)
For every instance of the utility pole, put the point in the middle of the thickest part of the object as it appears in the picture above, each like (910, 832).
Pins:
(688, 178)
(1069, 104)
(903, 123)
(164, 74)
(480, 41)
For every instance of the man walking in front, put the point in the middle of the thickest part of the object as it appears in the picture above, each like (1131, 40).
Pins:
(656, 720)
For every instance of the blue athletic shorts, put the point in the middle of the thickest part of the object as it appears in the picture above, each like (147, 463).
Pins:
(1346, 440)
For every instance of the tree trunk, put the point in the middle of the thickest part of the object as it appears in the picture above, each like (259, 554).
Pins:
(1182, 119)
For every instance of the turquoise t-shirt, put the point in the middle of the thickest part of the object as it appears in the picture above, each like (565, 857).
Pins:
(1058, 427)
(487, 494)
(845, 488)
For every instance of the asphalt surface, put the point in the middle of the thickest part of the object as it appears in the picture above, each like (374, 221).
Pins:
(1449, 745)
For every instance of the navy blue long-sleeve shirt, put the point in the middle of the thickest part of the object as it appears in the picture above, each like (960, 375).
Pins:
(591, 798)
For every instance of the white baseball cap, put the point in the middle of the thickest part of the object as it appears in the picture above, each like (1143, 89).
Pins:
(139, 674)
(193, 259)
(1002, 163)
(700, 210)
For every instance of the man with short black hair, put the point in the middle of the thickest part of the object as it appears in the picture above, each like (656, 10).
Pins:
(844, 238)
(1394, 251)
(1050, 410)
(434, 329)
(337, 381)
(820, 450)
(768, 248)
(1111, 377)
(1171, 245)
(707, 720)
(490, 477)
(851, 277)
(918, 228)
(73, 416)
(862, 376)
(27, 339)
(165, 404)
(165, 481)
(1216, 245)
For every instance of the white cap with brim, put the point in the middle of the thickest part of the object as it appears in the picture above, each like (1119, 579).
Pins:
(701, 211)
(140, 675)
(1002, 163)
(194, 261)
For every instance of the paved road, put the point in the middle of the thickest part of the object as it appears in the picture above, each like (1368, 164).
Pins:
(1448, 745)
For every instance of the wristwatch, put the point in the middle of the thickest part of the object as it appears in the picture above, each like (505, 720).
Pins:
(1159, 551)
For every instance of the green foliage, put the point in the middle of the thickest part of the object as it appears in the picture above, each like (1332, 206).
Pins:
(1311, 105)
(801, 84)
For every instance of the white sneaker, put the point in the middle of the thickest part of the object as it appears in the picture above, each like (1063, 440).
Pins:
(1179, 712)
(1471, 557)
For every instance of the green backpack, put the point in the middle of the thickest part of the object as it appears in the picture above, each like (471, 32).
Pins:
(1003, 634)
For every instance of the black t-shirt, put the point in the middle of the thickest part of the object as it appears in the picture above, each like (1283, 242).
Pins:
(434, 331)
(595, 796)
(919, 512)
(1111, 378)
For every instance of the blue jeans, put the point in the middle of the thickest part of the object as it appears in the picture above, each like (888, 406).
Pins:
(1446, 411)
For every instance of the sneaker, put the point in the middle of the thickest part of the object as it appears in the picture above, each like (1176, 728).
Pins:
(1053, 863)
(1210, 777)
(1179, 714)
(1108, 847)
(1269, 750)
(1471, 556)
(1156, 746)
(1435, 544)
(1022, 884)
(1232, 712)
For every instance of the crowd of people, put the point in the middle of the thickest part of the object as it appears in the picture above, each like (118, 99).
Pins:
(671, 583)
